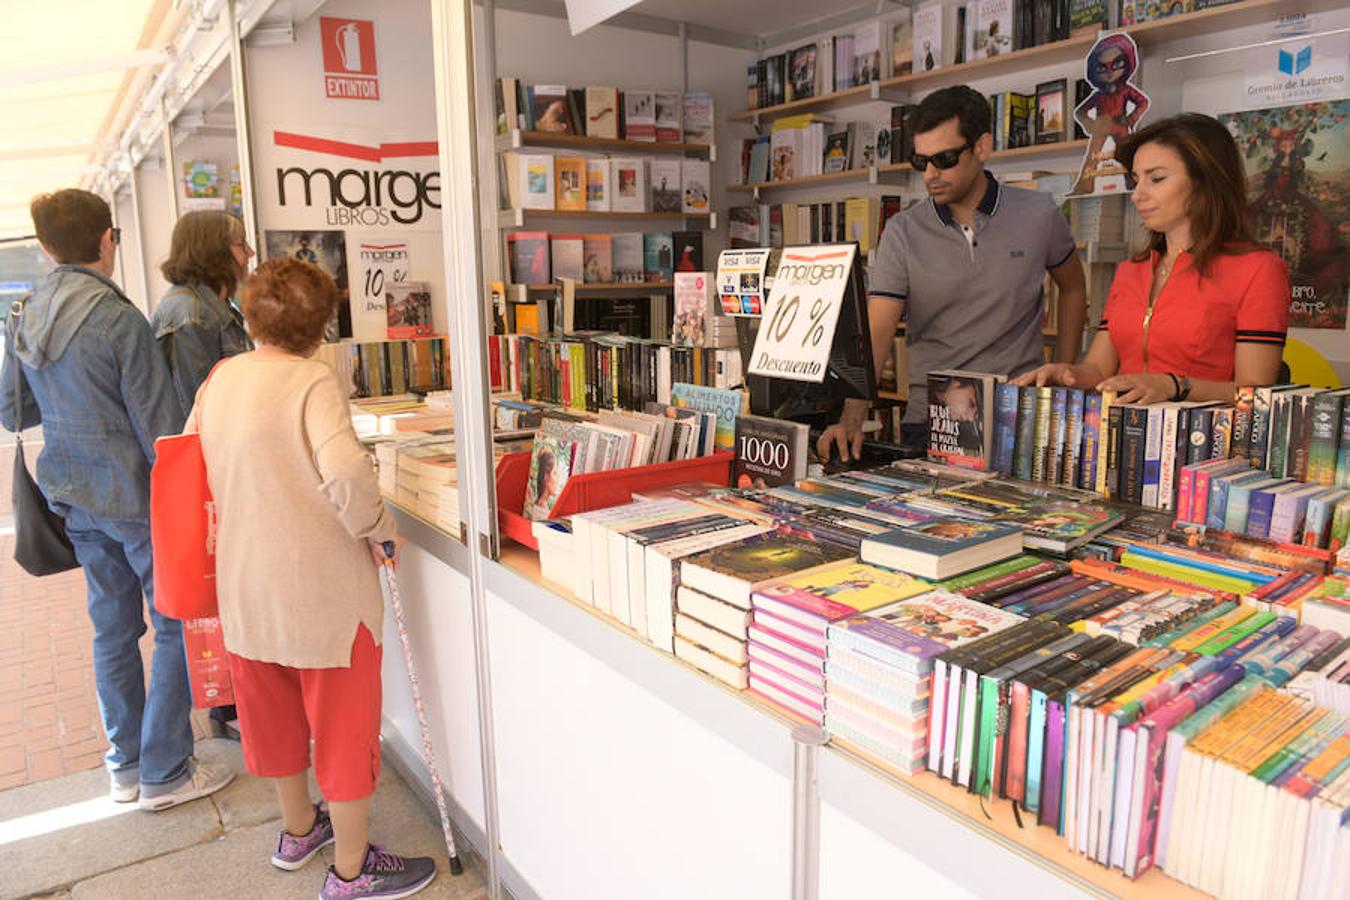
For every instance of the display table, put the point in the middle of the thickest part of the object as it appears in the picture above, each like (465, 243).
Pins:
(623, 772)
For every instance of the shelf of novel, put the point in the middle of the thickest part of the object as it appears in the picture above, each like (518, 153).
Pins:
(522, 218)
(1072, 48)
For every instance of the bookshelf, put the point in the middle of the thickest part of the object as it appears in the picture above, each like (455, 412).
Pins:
(516, 139)
(1172, 28)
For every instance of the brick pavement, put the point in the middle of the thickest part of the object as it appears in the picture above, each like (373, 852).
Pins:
(49, 719)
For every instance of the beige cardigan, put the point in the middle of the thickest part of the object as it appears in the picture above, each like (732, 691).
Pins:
(296, 501)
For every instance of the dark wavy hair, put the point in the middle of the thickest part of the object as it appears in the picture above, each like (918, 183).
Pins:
(199, 251)
(1217, 207)
(968, 106)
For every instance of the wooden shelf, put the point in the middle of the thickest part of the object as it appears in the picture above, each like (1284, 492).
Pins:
(595, 287)
(1042, 55)
(517, 218)
(869, 175)
(848, 97)
(516, 138)
(1157, 31)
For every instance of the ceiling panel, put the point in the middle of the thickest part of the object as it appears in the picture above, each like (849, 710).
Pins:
(53, 120)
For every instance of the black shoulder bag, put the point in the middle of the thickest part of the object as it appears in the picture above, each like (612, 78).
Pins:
(40, 543)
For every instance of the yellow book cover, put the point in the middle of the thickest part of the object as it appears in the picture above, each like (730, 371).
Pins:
(527, 318)
(569, 173)
(861, 216)
(843, 588)
(1104, 441)
(1232, 727)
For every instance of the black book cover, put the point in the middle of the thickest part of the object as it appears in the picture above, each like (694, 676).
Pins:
(1201, 436)
(1133, 436)
(1300, 436)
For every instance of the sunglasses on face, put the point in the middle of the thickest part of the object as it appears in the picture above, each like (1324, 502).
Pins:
(1114, 65)
(943, 159)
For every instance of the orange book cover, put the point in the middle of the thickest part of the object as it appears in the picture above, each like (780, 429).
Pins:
(569, 173)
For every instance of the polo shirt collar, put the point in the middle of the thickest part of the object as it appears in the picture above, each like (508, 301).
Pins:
(988, 204)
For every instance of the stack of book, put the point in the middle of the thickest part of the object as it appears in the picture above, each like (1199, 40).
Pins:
(787, 634)
(878, 685)
(713, 605)
(860, 219)
(834, 63)
(605, 112)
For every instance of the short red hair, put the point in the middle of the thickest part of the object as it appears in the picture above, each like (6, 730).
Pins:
(288, 303)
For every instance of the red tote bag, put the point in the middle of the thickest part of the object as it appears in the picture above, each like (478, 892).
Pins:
(183, 525)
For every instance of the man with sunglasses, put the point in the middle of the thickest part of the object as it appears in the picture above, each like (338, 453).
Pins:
(965, 269)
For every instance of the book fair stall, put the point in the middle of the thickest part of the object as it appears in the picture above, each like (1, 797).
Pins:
(606, 270)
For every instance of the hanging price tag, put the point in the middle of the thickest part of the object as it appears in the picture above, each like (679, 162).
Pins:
(797, 331)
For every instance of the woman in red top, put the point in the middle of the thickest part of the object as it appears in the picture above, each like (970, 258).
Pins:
(1202, 309)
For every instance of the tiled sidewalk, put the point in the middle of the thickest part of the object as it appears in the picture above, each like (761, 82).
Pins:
(49, 721)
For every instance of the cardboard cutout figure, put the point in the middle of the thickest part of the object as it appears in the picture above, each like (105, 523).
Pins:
(1109, 113)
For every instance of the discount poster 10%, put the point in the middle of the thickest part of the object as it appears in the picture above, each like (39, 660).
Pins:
(800, 316)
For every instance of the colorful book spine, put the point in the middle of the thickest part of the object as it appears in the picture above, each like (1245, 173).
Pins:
(1153, 454)
(1277, 453)
(1074, 404)
(1104, 442)
(1172, 428)
(1058, 434)
(1092, 431)
(1133, 437)
(1317, 519)
(1041, 453)
(1005, 426)
(1025, 449)
(1200, 438)
(1343, 454)
(1221, 436)
(1326, 420)
(1262, 507)
(1259, 442)
(1185, 492)
(1240, 439)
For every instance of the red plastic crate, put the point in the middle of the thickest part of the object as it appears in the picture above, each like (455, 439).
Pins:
(597, 490)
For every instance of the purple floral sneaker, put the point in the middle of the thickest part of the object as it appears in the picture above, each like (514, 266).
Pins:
(293, 852)
(383, 875)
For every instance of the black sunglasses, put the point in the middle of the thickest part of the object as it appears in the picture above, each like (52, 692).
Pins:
(943, 159)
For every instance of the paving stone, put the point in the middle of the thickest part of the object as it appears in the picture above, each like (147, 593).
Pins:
(236, 864)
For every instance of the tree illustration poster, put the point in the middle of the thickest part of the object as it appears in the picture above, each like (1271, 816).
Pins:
(1298, 196)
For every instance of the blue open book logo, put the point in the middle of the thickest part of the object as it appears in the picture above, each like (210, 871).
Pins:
(1294, 64)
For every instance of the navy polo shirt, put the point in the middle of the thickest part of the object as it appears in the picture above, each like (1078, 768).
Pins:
(973, 297)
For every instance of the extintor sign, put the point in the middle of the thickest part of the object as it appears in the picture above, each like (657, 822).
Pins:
(349, 69)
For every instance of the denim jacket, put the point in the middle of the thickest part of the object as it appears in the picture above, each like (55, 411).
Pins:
(87, 370)
(196, 329)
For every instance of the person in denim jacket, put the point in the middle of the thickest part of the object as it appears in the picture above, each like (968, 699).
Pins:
(88, 372)
(197, 324)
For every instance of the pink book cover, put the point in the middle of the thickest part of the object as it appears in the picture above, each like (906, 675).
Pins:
(1184, 486)
(824, 607)
(757, 628)
(796, 669)
(819, 710)
(787, 681)
(806, 637)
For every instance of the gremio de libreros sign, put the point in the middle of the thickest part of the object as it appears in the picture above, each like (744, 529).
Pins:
(358, 185)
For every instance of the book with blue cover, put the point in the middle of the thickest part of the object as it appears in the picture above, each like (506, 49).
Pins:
(725, 404)
(1074, 404)
(942, 548)
(1024, 451)
(1092, 435)
(1006, 398)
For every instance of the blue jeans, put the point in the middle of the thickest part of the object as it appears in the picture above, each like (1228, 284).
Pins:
(150, 734)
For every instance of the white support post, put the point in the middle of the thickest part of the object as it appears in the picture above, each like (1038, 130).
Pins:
(243, 133)
(455, 122)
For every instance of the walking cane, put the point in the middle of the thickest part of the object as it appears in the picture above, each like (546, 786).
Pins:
(389, 582)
